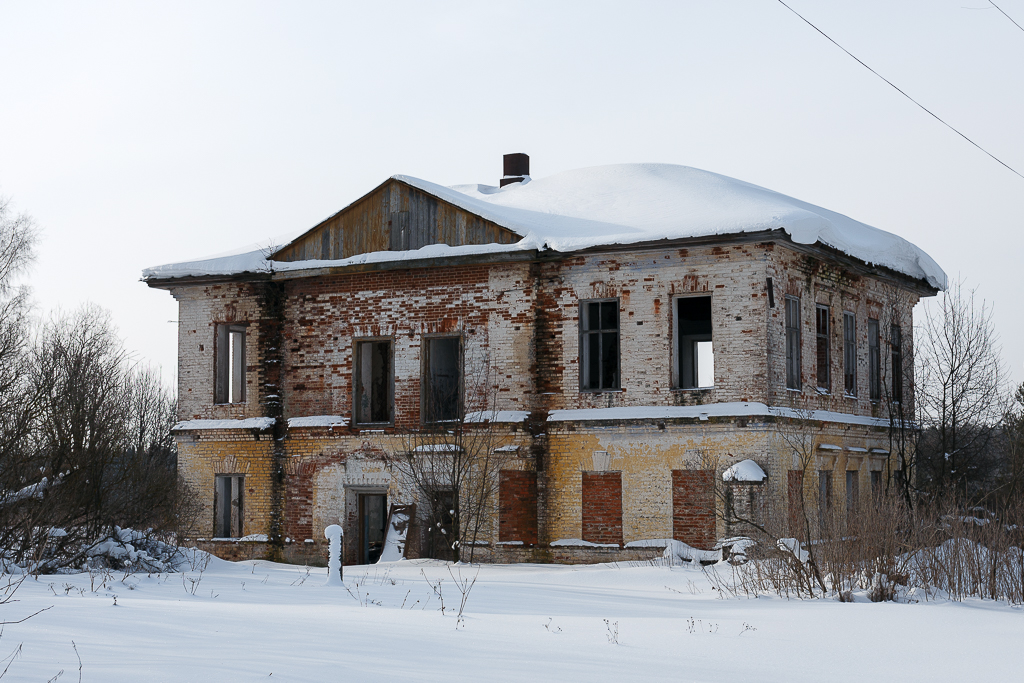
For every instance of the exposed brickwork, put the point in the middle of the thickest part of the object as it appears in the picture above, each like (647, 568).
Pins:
(602, 507)
(693, 507)
(517, 506)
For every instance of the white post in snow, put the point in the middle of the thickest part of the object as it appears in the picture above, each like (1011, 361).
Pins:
(334, 533)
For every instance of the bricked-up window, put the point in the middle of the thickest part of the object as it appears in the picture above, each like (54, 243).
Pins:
(896, 343)
(821, 320)
(824, 497)
(442, 381)
(695, 362)
(850, 353)
(599, 345)
(601, 516)
(374, 382)
(792, 343)
(874, 361)
(230, 364)
(228, 493)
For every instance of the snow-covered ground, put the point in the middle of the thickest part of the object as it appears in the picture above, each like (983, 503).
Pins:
(255, 620)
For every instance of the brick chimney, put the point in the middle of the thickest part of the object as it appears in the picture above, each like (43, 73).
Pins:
(517, 168)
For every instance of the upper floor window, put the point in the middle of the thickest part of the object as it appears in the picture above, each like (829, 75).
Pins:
(850, 353)
(821, 315)
(599, 345)
(896, 342)
(695, 358)
(442, 379)
(230, 364)
(374, 382)
(793, 343)
(874, 361)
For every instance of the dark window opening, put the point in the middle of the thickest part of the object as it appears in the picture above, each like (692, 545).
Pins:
(897, 364)
(852, 493)
(792, 343)
(824, 498)
(821, 315)
(874, 361)
(599, 345)
(850, 354)
(372, 519)
(696, 357)
(374, 385)
(442, 528)
(443, 391)
(228, 494)
(230, 364)
(876, 485)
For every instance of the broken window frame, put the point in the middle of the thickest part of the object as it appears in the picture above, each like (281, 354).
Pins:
(229, 364)
(228, 493)
(822, 349)
(428, 403)
(794, 379)
(874, 360)
(849, 353)
(685, 354)
(358, 350)
(608, 342)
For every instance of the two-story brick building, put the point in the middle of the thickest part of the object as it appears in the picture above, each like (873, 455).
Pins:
(641, 328)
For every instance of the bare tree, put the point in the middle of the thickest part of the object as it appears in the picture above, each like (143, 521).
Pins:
(962, 395)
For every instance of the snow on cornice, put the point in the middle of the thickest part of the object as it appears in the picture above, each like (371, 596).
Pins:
(621, 204)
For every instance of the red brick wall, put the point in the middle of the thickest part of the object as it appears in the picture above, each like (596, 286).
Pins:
(796, 503)
(693, 507)
(602, 507)
(517, 501)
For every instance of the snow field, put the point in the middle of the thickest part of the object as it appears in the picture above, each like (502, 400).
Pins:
(256, 620)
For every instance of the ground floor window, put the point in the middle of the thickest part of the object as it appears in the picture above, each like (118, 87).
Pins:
(228, 499)
(373, 513)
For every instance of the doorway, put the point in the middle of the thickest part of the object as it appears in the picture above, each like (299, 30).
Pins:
(373, 514)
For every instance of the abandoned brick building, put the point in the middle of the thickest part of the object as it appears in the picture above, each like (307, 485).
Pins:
(642, 330)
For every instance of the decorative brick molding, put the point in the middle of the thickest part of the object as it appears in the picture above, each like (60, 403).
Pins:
(602, 507)
(517, 503)
(693, 507)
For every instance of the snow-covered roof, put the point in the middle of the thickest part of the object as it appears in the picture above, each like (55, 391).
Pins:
(624, 204)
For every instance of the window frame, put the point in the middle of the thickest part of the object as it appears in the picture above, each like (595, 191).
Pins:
(217, 498)
(678, 350)
(582, 350)
(356, 374)
(850, 353)
(222, 366)
(794, 376)
(896, 361)
(823, 347)
(425, 418)
(874, 360)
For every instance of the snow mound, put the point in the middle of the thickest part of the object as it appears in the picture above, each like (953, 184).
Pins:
(745, 470)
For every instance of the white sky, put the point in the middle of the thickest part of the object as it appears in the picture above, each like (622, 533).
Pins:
(145, 133)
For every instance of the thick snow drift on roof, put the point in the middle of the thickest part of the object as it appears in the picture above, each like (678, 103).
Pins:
(744, 470)
(624, 204)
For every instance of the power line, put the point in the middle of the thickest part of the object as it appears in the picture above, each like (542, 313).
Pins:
(1006, 15)
(897, 89)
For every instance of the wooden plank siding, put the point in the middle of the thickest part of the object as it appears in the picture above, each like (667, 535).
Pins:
(394, 217)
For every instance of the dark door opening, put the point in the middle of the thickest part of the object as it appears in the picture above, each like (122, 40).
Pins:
(373, 514)
(443, 528)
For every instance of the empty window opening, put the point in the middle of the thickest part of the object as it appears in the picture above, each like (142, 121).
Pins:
(696, 360)
(850, 354)
(792, 343)
(599, 345)
(874, 361)
(443, 392)
(896, 341)
(442, 526)
(822, 325)
(230, 362)
(374, 386)
(876, 485)
(228, 494)
(372, 520)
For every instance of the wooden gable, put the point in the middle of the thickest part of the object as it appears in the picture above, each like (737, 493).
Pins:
(393, 217)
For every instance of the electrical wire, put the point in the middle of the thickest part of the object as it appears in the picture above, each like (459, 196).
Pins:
(1006, 15)
(897, 89)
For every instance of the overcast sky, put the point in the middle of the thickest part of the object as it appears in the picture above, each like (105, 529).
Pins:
(145, 133)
